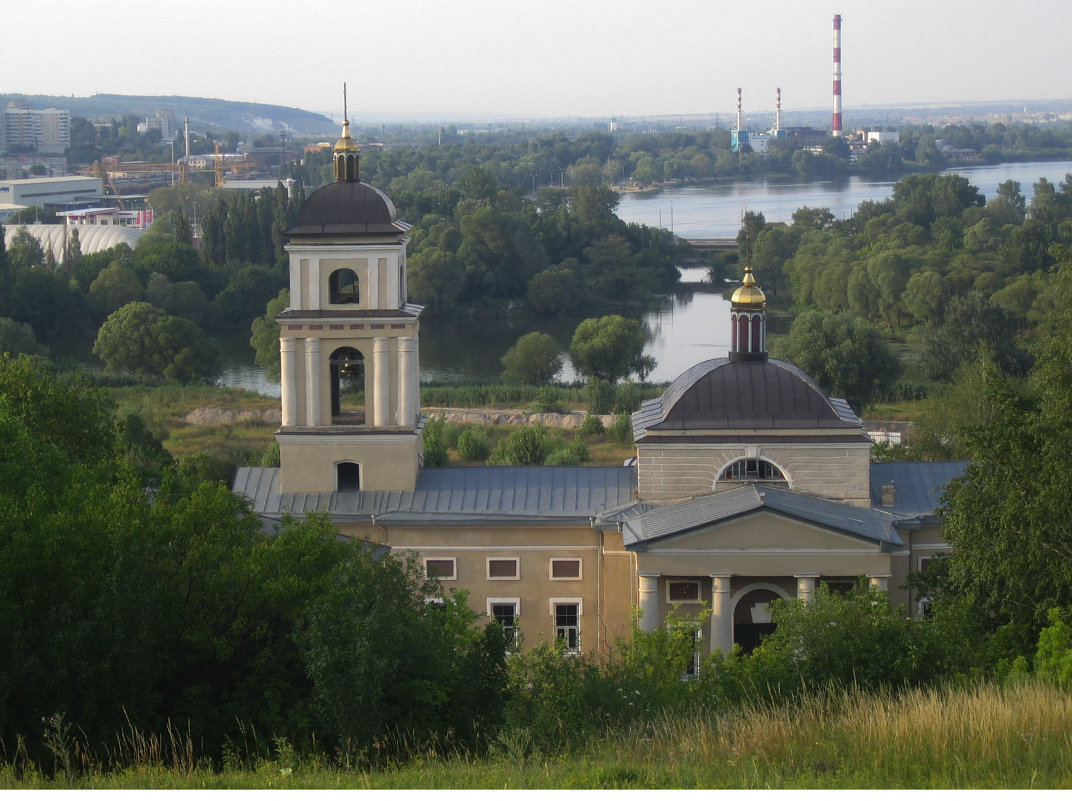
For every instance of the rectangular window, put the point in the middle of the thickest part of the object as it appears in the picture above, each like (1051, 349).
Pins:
(567, 615)
(442, 569)
(505, 612)
(683, 592)
(565, 569)
(503, 569)
(693, 668)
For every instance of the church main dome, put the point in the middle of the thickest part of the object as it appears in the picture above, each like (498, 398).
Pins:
(721, 395)
(347, 207)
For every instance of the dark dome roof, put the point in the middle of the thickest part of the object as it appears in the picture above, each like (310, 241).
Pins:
(347, 207)
(721, 394)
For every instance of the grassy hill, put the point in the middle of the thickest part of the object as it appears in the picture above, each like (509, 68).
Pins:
(204, 113)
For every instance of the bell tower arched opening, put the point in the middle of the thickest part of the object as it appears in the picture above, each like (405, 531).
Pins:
(347, 386)
(344, 287)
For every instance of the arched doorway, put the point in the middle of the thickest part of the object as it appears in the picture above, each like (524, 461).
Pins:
(347, 386)
(751, 617)
(348, 477)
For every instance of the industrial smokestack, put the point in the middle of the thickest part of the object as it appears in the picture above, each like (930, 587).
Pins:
(739, 126)
(836, 127)
(778, 110)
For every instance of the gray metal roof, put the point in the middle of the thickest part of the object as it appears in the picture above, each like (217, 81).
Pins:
(918, 486)
(677, 518)
(724, 394)
(347, 207)
(457, 494)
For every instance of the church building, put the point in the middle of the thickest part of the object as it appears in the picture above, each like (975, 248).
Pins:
(749, 483)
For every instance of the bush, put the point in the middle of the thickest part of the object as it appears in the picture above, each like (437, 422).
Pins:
(600, 396)
(547, 401)
(592, 425)
(526, 446)
(435, 445)
(473, 445)
(621, 430)
(627, 398)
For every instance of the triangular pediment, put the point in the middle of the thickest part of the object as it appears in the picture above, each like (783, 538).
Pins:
(761, 530)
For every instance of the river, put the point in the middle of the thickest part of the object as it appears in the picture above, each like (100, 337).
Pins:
(685, 327)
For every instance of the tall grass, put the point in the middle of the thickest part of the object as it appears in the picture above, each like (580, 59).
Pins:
(978, 736)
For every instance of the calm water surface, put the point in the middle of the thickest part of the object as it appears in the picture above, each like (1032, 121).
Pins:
(688, 326)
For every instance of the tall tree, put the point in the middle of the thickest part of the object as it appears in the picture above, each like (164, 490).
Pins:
(846, 355)
(610, 348)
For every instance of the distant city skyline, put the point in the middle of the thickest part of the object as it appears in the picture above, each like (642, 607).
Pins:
(555, 58)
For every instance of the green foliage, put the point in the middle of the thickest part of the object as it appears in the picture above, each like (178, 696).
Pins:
(17, 338)
(146, 342)
(851, 639)
(1007, 518)
(435, 445)
(610, 348)
(473, 444)
(845, 355)
(627, 398)
(592, 424)
(534, 359)
(547, 402)
(1053, 658)
(385, 663)
(600, 395)
(621, 430)
(265, 335)
(526, 446)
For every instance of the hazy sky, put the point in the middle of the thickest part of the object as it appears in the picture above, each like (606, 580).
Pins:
(529, 58)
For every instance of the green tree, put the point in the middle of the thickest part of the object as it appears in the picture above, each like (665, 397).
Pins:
(24, 252)
(147, 342)
(265, 335)
(1008, 517)
(972, 325)
(115, 286)
(610, 348)
(534, 359)
(845, 355)
(16, 338)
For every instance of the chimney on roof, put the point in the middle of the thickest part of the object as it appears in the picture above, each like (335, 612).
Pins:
(889, 494)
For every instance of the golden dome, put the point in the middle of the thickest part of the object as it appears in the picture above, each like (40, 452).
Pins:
(345, 143)
(748, 295)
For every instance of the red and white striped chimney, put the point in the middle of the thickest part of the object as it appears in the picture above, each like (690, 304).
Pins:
(836, 128)
(739, 126)
(778, 110)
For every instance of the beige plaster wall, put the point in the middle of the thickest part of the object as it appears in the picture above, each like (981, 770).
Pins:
(308, 460)
(832, 471)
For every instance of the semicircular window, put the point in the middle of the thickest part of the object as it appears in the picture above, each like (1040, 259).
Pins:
(752, 470)
(343, 287)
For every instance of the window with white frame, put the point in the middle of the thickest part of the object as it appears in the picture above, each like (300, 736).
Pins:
(752, 470)
(567, 618)
(692, 670)
(565, 569)
(683, 591)
(442, 568)
(505, 612)
(503, 569)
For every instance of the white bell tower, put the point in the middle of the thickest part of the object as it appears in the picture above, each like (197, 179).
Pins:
(348, 342)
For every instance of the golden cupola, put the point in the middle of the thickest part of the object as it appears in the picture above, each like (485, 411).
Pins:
(748, 313)
(346, 155)
(748, 295)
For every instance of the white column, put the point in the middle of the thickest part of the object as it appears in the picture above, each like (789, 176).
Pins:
(288, 384)
(408, 392)
(373, 284)
(649, 601)
(879, 580)
(721, 614)
(381, 396)
(312, 382)
(806, 586)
